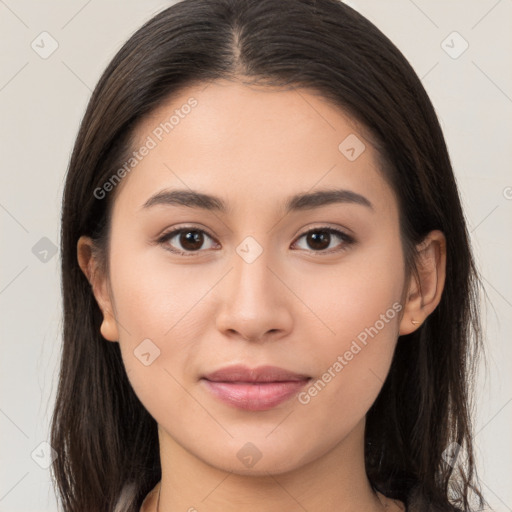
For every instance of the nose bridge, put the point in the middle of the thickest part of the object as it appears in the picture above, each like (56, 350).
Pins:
(252, 279)
(251, 302)
(252, 268)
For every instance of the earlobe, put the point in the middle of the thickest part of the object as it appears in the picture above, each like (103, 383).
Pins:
(99, 285)
(425, 289)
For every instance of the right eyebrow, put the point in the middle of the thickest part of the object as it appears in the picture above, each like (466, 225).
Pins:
(189, 198)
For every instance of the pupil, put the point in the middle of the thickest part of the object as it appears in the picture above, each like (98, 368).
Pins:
(315, 238)
(189, 238)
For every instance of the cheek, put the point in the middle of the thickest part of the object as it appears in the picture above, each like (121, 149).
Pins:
(157, 310)
(359, 305)
(353, 295)
(156, 306)
(352, 367)
(155, 297)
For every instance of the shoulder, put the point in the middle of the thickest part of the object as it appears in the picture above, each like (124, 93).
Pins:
(125, 501)
(149, 503)
(417, 502)
(125, 498)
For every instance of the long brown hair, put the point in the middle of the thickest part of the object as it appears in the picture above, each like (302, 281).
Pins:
(103, 435)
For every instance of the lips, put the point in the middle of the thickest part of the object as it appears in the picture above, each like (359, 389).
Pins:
(260, 374)
(254, 389)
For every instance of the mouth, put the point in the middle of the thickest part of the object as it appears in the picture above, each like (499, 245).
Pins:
(256, 389)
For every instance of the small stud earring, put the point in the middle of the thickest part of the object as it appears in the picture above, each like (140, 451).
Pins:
(415, 322)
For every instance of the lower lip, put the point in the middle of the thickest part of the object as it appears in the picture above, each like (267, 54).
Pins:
(259, 396)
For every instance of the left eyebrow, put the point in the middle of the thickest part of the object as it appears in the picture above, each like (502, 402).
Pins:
(324, 198)
(298, 202)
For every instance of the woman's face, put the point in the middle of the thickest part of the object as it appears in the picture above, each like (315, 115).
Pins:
(260, 283)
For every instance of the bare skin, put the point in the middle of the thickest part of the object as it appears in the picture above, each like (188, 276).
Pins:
(292, 306)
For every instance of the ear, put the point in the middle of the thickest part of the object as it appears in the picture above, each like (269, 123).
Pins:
(423, 296)
(99, 283)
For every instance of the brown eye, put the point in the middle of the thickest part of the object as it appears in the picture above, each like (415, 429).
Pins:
(185, 240)
(191, 240)
(320, 239)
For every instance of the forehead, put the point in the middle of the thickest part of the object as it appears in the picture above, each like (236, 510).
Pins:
(247, 143)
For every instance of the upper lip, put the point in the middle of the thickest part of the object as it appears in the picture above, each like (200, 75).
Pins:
(240, 373)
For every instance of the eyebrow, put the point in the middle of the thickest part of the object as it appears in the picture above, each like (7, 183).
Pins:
(298, 202)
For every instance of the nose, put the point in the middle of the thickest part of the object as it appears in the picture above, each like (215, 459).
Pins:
(254, 304)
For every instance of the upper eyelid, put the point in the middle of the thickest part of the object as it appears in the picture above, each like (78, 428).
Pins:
(180, 229)
(196, 228)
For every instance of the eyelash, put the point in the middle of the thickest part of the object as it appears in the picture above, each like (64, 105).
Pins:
(348, 240)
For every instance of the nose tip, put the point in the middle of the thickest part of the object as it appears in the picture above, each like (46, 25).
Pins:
(254, 337)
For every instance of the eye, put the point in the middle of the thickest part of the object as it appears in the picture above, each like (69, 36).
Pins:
(189, 238)
(320, 239)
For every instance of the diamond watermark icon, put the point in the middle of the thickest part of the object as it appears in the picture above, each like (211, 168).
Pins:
(146, 352)
(352, 147)
(43, 455)
(44, 250)
(452, 453)
(249, 250)
(454, 45)
(44, 45)
(249, 455)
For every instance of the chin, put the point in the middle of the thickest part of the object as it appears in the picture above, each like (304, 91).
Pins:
(249, 460)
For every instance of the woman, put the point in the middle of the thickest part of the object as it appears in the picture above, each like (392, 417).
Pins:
(269, 294)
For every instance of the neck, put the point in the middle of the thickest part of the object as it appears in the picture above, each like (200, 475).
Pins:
(335, 481)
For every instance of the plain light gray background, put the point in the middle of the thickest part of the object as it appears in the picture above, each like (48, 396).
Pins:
(42, 101)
